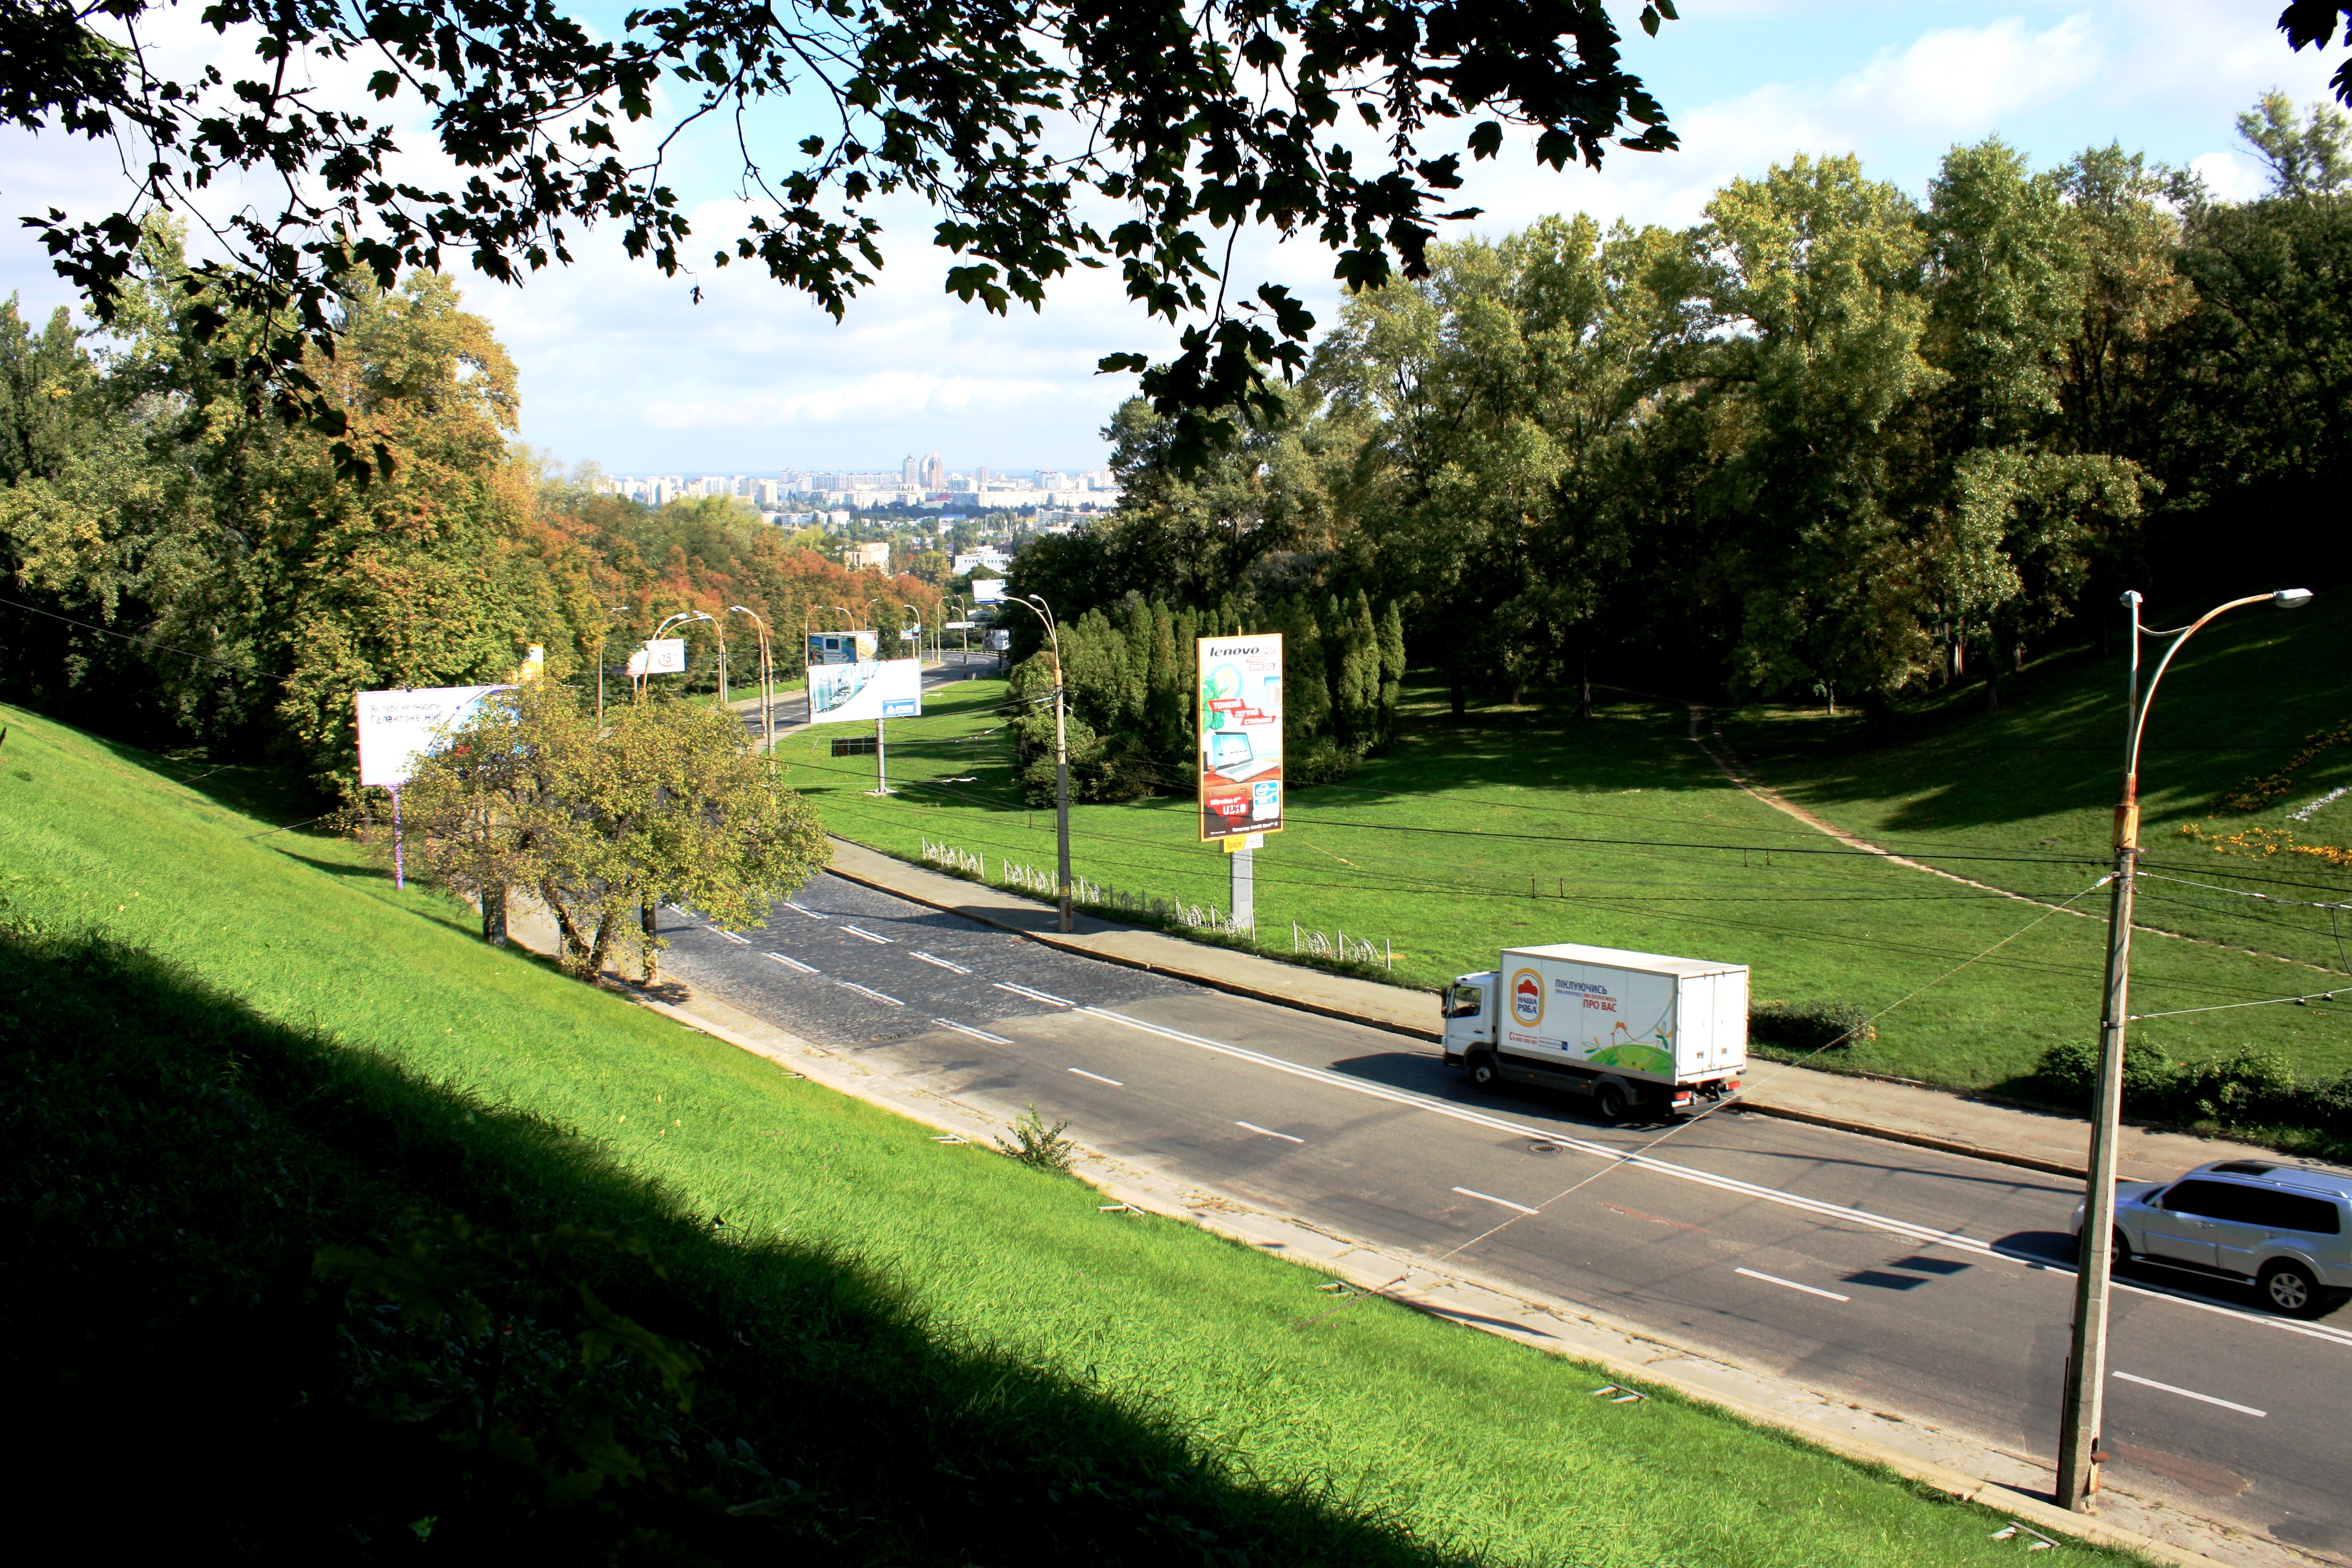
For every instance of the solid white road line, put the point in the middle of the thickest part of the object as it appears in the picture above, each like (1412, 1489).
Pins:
(1269, 1133)
(2190, 1393)
(943, 964)
(1473, 1193)
(811, 913)
(867, 935)
(869, 991)
(975, 1033)
(1040, 996)
(792, 963)
(1791, 1284)
(1097, 1076)
(1896, 1227)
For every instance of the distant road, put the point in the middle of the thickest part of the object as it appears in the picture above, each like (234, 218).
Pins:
(1904, 1279)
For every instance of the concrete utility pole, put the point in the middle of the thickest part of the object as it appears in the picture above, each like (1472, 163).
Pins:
(2079, 1454)
(1044, 613)
(1243, 863)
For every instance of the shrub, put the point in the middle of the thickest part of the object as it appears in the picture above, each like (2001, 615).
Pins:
(2247, 1089)
(1036, 1145)
(1321, 760)
(1808, 1026)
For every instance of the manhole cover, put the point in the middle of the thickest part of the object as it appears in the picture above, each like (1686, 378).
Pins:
(1543, 1146)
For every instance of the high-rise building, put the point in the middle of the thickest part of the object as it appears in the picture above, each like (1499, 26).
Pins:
(910, 472)
(935, 474)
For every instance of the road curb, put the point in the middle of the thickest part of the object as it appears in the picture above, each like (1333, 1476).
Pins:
(1916, 1140)
(1384, 1281)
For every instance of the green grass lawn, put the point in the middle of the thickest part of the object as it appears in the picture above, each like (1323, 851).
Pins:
(1523, 826)
(944, 1354)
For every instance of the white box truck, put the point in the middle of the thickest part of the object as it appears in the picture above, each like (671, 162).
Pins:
(1628, 1028)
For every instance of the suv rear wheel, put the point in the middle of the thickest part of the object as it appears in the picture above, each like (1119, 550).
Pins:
(2288, 1287)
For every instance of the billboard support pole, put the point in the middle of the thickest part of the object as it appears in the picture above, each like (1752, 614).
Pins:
(399, 869)
(1244, 895)
(881, 772)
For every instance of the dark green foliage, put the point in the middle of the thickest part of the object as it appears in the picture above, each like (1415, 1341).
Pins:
(1800, 1029)
(1130, 670)
(2247, 1089)
(330, 1311)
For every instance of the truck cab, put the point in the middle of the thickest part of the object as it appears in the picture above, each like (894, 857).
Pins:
(1468, 1005)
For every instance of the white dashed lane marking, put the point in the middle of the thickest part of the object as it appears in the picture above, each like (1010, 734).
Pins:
(942, 963)
(1791, 1284)
(869, 991)
(2191, 1393)
(975, 1033)
(1035, 995)
(1097, 1076)
(1472, 1193)
(1270, 1132)
(868, 935)
(792, 963)
(811, 913)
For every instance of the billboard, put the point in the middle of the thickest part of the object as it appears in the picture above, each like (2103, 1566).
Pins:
(843, 647)
(988, 590)
(664, 656)
(1240, 736)
(892, 689)
(395, 727)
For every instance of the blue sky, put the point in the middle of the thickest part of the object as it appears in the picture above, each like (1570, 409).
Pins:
(620, 368)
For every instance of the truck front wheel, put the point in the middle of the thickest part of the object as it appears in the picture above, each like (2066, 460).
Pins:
(1483, 1073)
(1608, 1099)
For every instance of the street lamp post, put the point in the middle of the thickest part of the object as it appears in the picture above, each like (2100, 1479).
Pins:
(1044, 613)
(767, 685)
(688, 617)
(2079, 1454)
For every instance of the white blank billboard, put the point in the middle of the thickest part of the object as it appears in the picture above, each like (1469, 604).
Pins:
(395, 727)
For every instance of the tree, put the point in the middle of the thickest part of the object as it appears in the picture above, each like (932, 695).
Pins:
(669, 803)
(1194, 121)
(2314, 159)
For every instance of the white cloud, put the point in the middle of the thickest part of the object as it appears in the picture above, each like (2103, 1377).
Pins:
(2230, 176)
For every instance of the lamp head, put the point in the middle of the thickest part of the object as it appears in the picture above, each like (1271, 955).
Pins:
(2291, 598)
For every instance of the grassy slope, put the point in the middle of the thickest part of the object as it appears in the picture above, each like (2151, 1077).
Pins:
(1607, 824)
(1154, 1329)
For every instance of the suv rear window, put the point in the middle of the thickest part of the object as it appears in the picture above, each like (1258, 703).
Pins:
(2265, 1206)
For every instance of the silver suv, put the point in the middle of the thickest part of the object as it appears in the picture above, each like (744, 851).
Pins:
(2288, 1229)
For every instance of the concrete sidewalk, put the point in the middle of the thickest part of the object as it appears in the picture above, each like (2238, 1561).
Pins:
(1902, 1113)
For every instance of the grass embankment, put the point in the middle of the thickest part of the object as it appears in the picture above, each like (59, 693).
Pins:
(1524, 826)
(897, 1349)
(1948, 778)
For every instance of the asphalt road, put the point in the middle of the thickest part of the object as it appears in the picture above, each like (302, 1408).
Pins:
(1906, 1280)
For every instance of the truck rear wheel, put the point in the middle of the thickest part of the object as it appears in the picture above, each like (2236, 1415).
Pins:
(1608, 1099)
(1484, 1071)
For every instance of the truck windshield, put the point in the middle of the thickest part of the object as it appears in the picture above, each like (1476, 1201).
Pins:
(1465, 1001)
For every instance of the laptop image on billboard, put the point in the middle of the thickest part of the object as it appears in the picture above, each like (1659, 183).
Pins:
(1231, 756)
